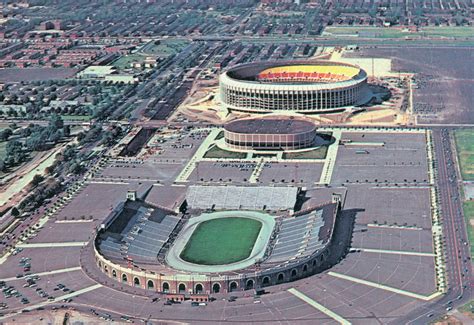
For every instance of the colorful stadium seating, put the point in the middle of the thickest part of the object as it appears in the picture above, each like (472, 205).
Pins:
(308, 73)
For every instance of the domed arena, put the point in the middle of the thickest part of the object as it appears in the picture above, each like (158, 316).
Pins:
(276, 133)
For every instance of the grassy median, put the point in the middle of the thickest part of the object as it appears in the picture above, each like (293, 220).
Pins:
(465, 147)
(468, 207)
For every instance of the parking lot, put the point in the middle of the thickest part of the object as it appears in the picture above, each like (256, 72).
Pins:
(227, 172)
(389, 272)
(391, 158)
(291, 173)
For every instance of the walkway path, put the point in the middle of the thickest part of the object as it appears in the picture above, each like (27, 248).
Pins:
(188, 169)
(330, 161)
(386, 288)
(60, 298)
(70, 269)
(318, 306)
(385, 251)
(49, 245)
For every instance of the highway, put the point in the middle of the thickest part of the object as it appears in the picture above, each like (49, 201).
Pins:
(456, 245)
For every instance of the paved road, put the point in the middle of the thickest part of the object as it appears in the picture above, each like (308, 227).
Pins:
(458, 264)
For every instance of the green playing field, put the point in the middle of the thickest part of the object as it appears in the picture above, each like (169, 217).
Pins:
(221, 241)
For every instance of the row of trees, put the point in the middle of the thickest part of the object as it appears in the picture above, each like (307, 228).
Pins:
(36, 96)
(70, 161)
(32, 138)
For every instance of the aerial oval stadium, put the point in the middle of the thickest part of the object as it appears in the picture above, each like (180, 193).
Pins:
(234, 238)
(298, 86)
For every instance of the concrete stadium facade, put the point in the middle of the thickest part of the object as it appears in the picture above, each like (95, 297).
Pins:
(160, 277)
(194, 284)
(299, 86)
(175, 282)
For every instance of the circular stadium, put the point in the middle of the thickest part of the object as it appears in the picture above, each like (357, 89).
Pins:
(298, 86)
(273, 133)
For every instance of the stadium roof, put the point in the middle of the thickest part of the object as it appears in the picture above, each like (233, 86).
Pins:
(241, 197)
(281, 125)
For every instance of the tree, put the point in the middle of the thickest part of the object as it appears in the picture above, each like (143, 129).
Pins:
(49, 170)
(81, 136)
(5, 134)
(67, 130)
(56, 122)
(15, 213)
(36, 180)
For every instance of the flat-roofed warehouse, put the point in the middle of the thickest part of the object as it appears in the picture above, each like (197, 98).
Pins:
(275, 133)
(299, 86)
(241, 197)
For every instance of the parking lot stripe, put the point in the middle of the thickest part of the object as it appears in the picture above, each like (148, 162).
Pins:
(318, 306)
(70, 269)
(384, 287)
(385, 251)
(58, 299)
(73, 221)
(49, 245)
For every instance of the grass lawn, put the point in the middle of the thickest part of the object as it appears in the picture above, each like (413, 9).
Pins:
(3, 146)
(461, 31)
(220, 135)
(465, 147)
(318, 153)
(221, 241)
(468, 208)
(85, 118)
(400, 32)
(216, 152)
(125, 61)
(468, 309)
(378, 32)
(165, 48)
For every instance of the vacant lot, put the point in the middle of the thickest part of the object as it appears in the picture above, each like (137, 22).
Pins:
(465, 148)
(222, 241)
(445, 82)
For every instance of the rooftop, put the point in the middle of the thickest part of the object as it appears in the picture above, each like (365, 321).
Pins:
(281, 125)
